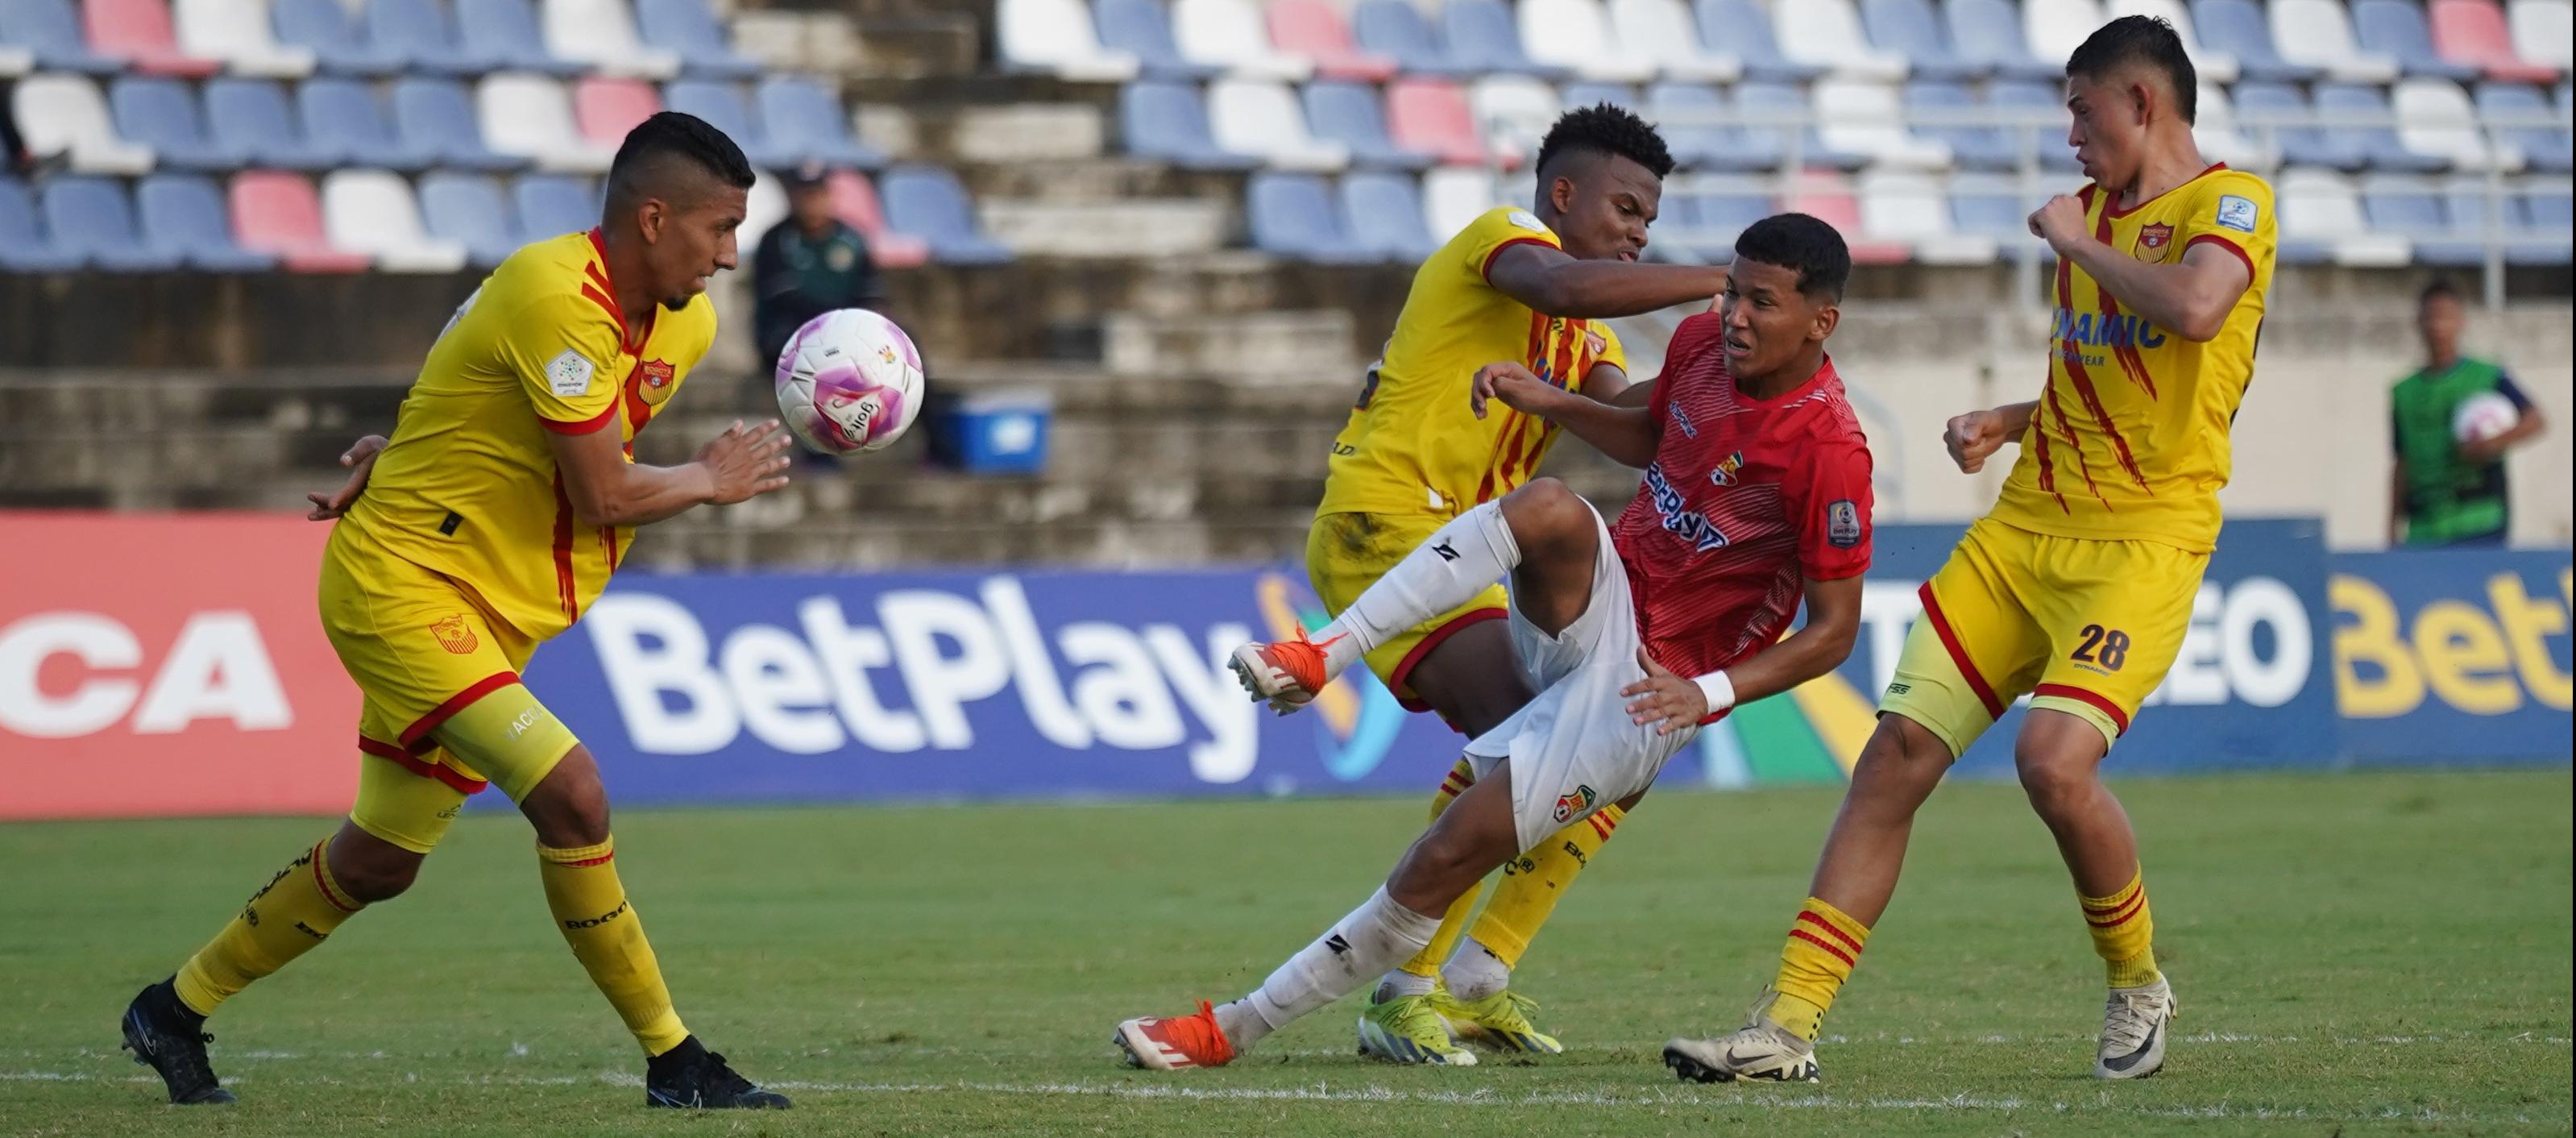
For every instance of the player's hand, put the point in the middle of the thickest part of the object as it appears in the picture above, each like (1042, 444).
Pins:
(2482, 452)
(1970, 438)
(2060, 222)
(360, 459)
(745, 461)
(1513, 386)
(1670, 702)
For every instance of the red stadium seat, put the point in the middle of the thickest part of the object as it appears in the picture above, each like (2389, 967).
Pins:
(277, 213)
(139, 33)
(1431, 116)
(854, 201)
(605, 109)
(2473, 32)
(1828, 197)
(1314, 29)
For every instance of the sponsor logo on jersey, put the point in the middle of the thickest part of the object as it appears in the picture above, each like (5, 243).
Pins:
(1681, 419)
(1688, 525)
(2153, 241)
(1573, 802)
(1526, 220)
(1842, 523)
(2105, 330)
(1725, 474)
(454, 634)
(2237, 213)
(568, 374)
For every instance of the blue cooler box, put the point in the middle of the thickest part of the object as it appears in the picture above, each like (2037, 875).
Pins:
(993, 433)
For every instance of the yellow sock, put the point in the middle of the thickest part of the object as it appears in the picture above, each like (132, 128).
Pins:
(1445, 940)
(296, 910)
(607, 936)
(1533, 881)
(1823, 948)
(2124, 933)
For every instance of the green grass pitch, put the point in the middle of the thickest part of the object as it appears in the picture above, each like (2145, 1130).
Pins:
(2370, 953)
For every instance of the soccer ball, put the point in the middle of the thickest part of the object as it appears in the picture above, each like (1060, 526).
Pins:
(849, 382)
(2483, 416)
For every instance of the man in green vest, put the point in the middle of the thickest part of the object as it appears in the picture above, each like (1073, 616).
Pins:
(2445, 490)
(807, 265)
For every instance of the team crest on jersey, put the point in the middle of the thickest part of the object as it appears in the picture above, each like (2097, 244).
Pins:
(1571, 804)
(2153, 241)
(454, 634)
(1725, 474)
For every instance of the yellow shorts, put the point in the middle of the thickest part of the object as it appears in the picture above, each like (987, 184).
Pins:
(2085, 627)
(1346, 553)
(444, 710)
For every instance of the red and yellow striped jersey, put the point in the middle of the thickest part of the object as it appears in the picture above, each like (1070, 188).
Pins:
(2130, 440)
(469, 488)
(1411, 445)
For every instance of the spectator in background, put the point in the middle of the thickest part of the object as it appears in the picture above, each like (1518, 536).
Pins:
(808, 265)
(2446, 490)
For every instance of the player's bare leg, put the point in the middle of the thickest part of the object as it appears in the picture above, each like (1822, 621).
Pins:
(2059, 757)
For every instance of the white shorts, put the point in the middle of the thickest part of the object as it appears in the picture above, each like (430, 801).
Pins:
(1574, 749)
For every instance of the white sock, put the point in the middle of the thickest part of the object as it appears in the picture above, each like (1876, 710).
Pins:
(1400, 983)
(1374, 938)
(1459, 561)
(1474, 972)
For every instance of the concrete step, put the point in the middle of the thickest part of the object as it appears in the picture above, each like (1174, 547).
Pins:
(1315, 345)
(1090, 179)
(1015, 132)
(1124, 230)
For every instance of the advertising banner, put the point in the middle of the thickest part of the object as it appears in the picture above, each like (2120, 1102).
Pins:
(2446, 657)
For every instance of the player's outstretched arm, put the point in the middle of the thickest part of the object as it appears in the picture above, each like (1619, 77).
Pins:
(1674, 702)
(607, 490)
(1977, 435)
(1548, 280)
(2190, 298)
(1626, 434)
(360, 459)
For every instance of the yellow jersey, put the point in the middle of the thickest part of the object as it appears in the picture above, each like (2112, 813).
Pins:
(2130, 439)
(468, 488)
(1411, 446)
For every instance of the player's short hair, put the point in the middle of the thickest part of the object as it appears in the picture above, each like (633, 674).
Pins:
(2143, 40)
(1801, 244)
(1603, 129)
(664, 150)
(2440, 289)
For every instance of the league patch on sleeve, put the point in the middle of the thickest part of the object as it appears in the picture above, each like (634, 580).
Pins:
(1842, 523)
(568, 374)
(2236, 213)
(1526, 220)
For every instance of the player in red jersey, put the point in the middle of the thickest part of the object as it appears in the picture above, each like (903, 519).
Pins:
(1756, 494)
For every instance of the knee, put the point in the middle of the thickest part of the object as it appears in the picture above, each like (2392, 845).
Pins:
(369, 879)
(569, 809)
(2056, 787)
(1899, 766)
(1545, 510)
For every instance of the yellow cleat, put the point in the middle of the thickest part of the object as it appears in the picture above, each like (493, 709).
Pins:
(1406, 1030)
(1500, 1021)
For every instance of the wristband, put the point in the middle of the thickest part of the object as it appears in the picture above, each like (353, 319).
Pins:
(1718, 690)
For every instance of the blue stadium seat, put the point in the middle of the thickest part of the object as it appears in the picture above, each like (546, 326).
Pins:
(551, 205)
(330, 31)
(2546, 147)
(2466, 203)
(1971, 147)
(1760, 100)
(1169, 121)
(1143, 28)
(1987, 33)
(2300, 145)
(687, 29)
(1482, 35)
(1385, 215)
(2379, 143)
(1909, 26)
(422, 34)
(2397, 28)
(1396, 28)
(1739, 27)
(723, 106)
(1709, 147)
(184, 218)
(23, 247)
(2041, 99)
(1989, 211)
(251, 115)
(803, 117)
(1716, 219)
(1591, 94)
(90, 219)
(436, 115)
(2238, 28)
(161, 114)
(1294, 216)
(1354, 115)
(468, 209)
(926, 202)
(52, 33)
(2550, 212)
(343, 115)
(505, 31)
(2416, 214)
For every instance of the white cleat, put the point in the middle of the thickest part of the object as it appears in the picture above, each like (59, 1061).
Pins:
(1760, 1049)
(2134, 1023)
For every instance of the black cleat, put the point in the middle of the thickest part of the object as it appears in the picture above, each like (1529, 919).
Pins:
(691, 1076)
(165, 1036)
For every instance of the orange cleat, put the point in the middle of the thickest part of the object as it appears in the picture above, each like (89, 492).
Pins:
(1285, 674)
(1172, 1044)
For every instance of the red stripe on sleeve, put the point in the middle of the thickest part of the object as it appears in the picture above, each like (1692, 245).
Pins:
(582, 427)
(1497, 251)
(2230, 246)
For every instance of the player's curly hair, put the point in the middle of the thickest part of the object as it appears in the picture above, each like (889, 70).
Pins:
(2146, 40)
(1804, 245)
(1605, 129)
(665, 144)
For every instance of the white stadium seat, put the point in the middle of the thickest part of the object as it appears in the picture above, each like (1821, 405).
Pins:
(2544, 31)
(2319, 207)
(2055, 28)
(762, 209)
(1912, 208)
(1452, 196)
(1261, 116)
(15, 61)
(2318, 33)
(2219, 138)
(64, 114)
(1664, 33)
(1230, 34)
(373, 212)
(1867, 119)
(1058, 38)
(531, 116)
(1576, 35)
(2213, 65)
(1827, 33)
(1514, 111)
(601, 33)
(237, 32)
(2434, 116)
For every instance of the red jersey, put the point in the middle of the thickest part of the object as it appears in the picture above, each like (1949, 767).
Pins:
(1747, 500)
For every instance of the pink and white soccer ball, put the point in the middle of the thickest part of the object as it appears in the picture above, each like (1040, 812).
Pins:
(849, 381)
(2483, 416)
